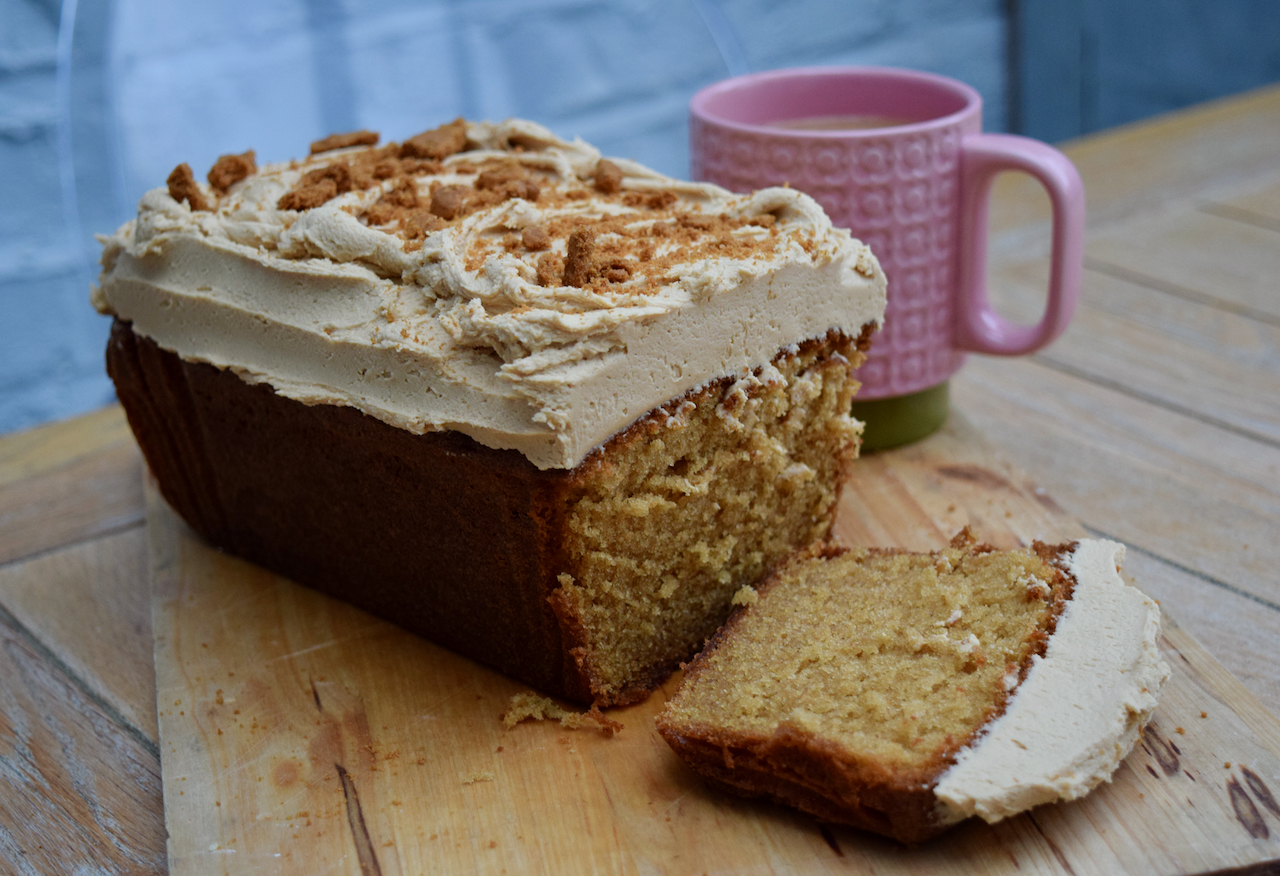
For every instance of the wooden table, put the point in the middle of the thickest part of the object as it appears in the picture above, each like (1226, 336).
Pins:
(1153, 421)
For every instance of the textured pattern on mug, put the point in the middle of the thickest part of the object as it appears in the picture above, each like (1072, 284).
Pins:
(898, 196)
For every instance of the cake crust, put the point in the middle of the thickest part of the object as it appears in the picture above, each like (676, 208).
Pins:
(802, 770)
(262, 477)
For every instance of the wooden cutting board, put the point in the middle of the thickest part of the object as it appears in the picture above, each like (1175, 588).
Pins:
(299, 735)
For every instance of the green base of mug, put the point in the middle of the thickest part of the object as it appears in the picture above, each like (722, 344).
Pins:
(892, 422)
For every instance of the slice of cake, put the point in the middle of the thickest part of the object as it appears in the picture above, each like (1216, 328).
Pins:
(549, 410)
(903, 692)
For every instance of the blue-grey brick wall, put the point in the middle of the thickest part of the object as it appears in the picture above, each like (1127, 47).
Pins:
(1083, 65)
(50, 351)
(141, 85)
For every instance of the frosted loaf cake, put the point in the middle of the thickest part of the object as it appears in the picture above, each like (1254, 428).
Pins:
(902, 693)
(546, 409)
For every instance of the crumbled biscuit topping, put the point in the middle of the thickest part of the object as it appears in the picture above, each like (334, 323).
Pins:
(608, 177)
(632, 234)
(534, 243)
(230, 169)
(183, 187)
(437, 143)
(344, 141)
(535, 238)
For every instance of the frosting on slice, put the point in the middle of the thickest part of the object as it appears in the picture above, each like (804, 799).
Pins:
(1081, 707)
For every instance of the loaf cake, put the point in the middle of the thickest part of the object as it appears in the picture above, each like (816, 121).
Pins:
(546, 409)
(904, 692)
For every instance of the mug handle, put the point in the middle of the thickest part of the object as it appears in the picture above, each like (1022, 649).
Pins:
(976, 326)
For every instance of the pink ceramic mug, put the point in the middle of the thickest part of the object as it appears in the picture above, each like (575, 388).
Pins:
(899, 158)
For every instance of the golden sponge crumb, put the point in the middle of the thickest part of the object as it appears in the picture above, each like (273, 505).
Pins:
(720, 487)
(894, 660)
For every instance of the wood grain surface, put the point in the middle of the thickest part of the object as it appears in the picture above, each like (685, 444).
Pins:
(77, 790)
(299, 735)
(79, 766)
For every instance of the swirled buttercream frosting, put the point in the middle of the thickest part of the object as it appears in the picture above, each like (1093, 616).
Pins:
(491, 279)
(1080, 709)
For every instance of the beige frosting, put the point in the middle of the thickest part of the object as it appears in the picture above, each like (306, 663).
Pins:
(456, 331)
(1079, 710)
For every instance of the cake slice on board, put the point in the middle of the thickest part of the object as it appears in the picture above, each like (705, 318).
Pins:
(904, 692)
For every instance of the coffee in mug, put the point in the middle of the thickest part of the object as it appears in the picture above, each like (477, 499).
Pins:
(846, 122)
(899, 158)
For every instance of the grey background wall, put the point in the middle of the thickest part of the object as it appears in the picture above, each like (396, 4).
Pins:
(1078, 66)
(99, 99)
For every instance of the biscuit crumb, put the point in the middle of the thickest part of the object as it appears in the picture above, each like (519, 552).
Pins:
(1180, 731)
(230, 169)
(344, 141)
(397, 203)
(403, 194)
(550, 269)
(308, 197)
(608, 177)
(616, 273)
(535, 237)
(447, 201)
(338, 171)
(183, 187)
(1204, 714)
(508, 182)
(437, 143)
(746, 595)
(318, 187)
(530, 706)
(579, 263)
(385, 169)
(477, 776)
(658, 200)
(418, 224)
(587, 262)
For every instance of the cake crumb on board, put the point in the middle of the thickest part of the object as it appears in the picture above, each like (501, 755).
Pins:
(529, 706)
